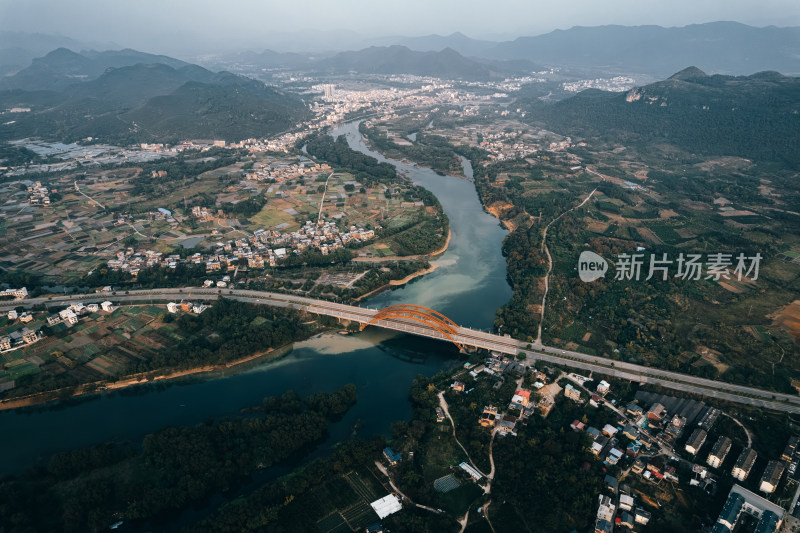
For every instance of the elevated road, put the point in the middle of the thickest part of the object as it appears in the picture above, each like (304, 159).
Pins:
(460, 335)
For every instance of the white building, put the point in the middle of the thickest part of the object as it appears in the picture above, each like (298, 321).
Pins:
(68, 316)
(29, 336)
(107, 306)
(93, 308)
(387, 505)
(172, 307)
(12, 315)
(625, 502)
(19, 294)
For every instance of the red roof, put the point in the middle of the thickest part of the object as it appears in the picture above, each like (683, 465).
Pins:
(524, 393)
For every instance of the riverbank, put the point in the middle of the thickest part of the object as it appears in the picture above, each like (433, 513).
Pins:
(39, 398)
(397, 282)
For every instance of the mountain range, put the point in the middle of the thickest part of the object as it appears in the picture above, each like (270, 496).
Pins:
(756, 116)
(718, 47)
(63, 67)
(73, 96)
(397, 59)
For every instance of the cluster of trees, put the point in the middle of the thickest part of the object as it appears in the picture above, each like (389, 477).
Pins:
(183, 275)
(378, 277)
(172, 469)
(338, 154)
(422, 238)
(432, 151)
(227, 331)
(13, 155)
(246, 208)
(539, 473)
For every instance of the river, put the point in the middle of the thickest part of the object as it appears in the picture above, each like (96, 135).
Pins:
(469, 285)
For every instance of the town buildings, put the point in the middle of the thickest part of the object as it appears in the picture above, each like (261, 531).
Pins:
(772, 476)
(744, 463)
(719, 452)
(696, 440)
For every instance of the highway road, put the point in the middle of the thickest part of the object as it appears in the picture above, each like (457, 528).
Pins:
(619, 369)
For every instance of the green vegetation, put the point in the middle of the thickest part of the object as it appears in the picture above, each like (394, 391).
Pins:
(698, 327)
(430, 150)
(225, 332)
(147, 103)
(170, 470)
(746, 116)
(338, 153)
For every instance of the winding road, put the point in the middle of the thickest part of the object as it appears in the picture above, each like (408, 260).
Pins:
(538, 341)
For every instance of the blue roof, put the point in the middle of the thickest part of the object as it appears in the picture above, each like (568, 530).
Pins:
(392, 455)
(732, 508)
(768, 523)
(720, 528)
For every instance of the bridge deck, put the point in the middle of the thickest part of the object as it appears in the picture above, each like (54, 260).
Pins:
(465, 336)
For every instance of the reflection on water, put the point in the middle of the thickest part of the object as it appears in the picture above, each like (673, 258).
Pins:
(470, 283)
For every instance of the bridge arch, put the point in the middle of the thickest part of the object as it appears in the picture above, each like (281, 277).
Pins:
(428, 317)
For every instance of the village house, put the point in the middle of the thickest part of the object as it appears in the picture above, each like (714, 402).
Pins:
(634, 409)
(28, 336)
(391, 456)
(572, 393)
(520, 399)
(507, 424)
(656, 413)
(488, 416)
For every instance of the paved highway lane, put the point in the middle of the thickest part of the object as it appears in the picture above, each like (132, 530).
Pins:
(465, 336)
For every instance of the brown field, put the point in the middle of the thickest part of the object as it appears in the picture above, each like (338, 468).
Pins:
(685, 233)
(648, 235)
(498, 209)
(737, 213)
(788, 318)
(725, 163)
(596, 226)
(712, 357)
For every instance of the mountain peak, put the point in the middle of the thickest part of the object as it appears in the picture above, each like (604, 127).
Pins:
(688, 73)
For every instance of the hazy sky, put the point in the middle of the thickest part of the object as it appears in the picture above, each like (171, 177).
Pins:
(208, 24)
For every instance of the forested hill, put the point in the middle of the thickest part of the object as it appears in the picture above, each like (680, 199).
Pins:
(153, 102)
(756, 117)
